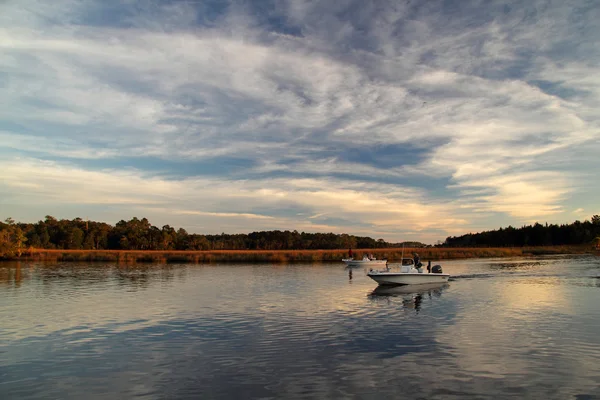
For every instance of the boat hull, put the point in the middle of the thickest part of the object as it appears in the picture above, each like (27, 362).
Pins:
(404, 278)
(365, 263)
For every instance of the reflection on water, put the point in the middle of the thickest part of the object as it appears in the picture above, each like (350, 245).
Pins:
(11, 275)
(521, 328)
(412, 295)
(409, 289)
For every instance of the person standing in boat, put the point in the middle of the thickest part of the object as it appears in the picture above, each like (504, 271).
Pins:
(429, 266)
(350, 252)
(416, 260)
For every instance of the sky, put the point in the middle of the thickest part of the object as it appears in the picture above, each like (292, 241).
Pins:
(401, 120)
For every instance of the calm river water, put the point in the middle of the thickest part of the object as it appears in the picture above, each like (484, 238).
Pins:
(501, 328)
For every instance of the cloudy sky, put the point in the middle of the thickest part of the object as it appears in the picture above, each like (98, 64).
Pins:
(402, 120)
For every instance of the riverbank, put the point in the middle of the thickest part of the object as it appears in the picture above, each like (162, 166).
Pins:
(287, 256)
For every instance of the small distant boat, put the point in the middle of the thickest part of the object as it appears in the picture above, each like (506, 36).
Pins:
(365, 262)
(408, 275)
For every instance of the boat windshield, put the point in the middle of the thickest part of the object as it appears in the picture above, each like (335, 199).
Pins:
(407, 261)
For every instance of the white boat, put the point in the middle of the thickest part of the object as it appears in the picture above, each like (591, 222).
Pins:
(365, 262)
(407, 275)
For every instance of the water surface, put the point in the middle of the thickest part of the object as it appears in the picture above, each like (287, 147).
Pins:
(501, 328)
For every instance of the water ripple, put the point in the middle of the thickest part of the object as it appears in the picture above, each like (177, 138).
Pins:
(501, 328)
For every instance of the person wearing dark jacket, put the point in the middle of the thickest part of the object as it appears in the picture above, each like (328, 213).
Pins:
(416, 260)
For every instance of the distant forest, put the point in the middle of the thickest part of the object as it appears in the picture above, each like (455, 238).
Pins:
(139, 234)
(586, 232)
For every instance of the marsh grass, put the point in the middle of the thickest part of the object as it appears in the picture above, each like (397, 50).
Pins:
(288, 256)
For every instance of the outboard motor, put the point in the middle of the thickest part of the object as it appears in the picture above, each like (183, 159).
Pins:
(436, 269)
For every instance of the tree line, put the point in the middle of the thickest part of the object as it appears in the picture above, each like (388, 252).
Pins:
(586, 232)
(139, 234)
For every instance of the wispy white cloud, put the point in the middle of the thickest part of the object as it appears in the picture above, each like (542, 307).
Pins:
(212, 214)
(349, 206)
(495, 105)
(524, 195)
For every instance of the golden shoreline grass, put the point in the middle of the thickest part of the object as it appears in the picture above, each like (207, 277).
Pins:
(288, 256)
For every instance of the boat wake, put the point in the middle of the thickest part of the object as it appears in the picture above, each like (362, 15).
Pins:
(472, 276)
(513, 275)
